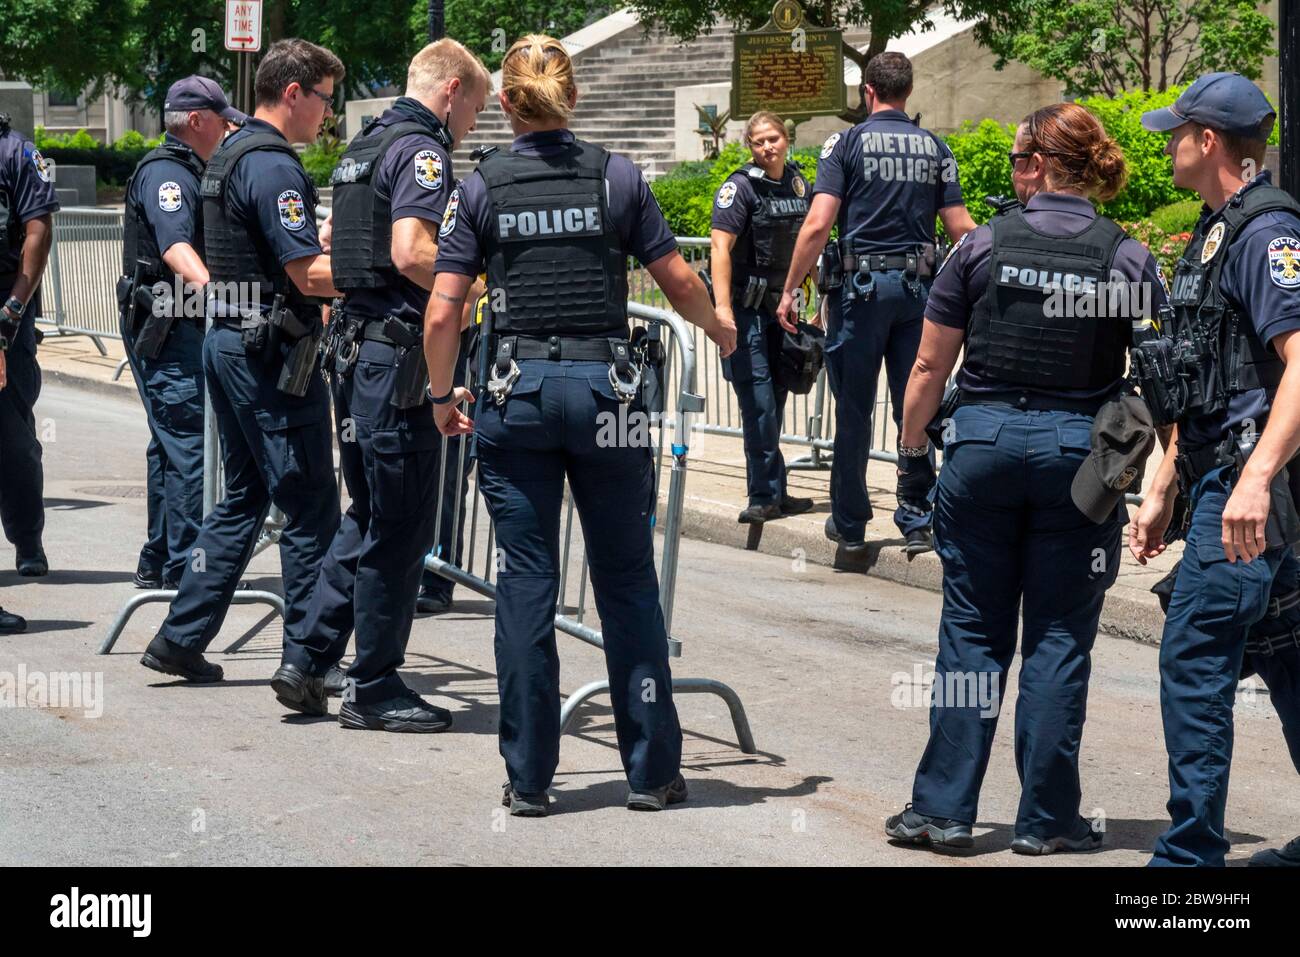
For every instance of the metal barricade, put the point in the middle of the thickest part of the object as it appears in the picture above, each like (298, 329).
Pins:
(85, 262)
(680, 369)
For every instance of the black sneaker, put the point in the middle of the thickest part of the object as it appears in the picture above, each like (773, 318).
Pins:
(32, 564)
(919, 541)
(524, 805)
(758, 514)
(1285, 856)
(1086, 840)
(11, 624)
(299, 691)
(790, 505)
(913, 828)
(173, 659)
(147, 576)
(659, 798)
(430, 602)
(405, 712)
(834, 535)
(336, 680)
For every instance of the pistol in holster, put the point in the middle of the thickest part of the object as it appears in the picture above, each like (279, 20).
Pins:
(648, 349)
(295, 374)
(160, 318)
(830, 274)
(412, 377)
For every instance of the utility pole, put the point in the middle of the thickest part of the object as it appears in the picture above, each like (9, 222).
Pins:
(437, 20)
(1288, 87)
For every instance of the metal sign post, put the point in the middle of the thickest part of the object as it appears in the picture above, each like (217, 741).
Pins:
(244, 38)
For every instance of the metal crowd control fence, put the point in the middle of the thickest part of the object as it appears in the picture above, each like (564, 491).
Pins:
(85, 261)
(680, 369)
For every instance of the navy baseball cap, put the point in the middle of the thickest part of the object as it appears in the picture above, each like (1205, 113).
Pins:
(200, 93)
(1227, 102)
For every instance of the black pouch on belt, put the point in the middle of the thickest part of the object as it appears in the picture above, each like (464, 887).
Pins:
(295, 374)
(648, 347)
(937, 426)
(158, 322)
(830, 276)
(412, 374)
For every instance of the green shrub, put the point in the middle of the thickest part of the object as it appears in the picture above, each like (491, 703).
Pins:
(981, 155)
(321, 157)
(1179, 217)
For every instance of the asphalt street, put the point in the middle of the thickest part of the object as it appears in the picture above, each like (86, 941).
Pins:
(826, 662)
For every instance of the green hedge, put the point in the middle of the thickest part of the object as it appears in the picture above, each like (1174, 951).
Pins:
(113, 164)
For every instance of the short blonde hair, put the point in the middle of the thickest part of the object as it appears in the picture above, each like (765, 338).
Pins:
(761, 117)
(439, 62)
(537, 79)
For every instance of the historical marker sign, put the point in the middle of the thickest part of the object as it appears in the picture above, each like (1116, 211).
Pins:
(792, 69)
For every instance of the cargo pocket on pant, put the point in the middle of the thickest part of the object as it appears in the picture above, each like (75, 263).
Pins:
(404, 482)
(1221, 586)
(298, 440)
(179, 407)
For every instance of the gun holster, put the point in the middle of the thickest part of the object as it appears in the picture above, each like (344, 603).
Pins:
(830, 275)
(160, 319)
(412, 374)
(295, 374)
(648, 348)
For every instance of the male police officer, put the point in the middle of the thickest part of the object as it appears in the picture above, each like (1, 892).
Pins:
(27, 203)
(266, 269)
(1224, 370)
(160, 293)
(390, 191)
(885, 179)
(9, 622)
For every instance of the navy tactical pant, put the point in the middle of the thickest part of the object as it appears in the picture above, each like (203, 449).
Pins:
(1016, 552)
(171, 388)
(1215, 605)
(368, 580)
(861, 333)
(762, 404)
(22, 480)
(276, 449)
(557, 423)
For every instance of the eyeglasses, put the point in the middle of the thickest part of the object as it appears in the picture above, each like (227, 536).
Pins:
(1013, 156)
(326, 98)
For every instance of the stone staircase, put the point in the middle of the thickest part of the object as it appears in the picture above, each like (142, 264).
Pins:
(625, 95)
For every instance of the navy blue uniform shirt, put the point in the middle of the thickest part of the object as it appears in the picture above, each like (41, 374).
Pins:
(416, 179)
(891, 178)
(734, 206)
(1269, 297)
(637, 217)
(28, 182)
(964, 277)
(168, 193)
(269, 195)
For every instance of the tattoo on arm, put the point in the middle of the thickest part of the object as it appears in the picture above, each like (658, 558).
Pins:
(454, 300)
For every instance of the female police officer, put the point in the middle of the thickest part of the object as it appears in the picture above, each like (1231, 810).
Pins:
(757, 213)
(555, 219)
(1028, 295)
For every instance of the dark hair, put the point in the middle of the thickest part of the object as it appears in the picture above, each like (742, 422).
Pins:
(1077, 152)
(293, 61)
(890, 75)
(1242, 148)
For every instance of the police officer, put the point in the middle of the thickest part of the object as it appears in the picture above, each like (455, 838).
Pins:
(390, 191)
(27, 204)
(1233, 395)
(9, 622)
(554, 218)
(161, 295)
(272, 409)
(757, 213)
(1043, 298)
(884, 180)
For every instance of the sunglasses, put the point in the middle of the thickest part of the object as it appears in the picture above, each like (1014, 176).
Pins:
(1013, 156)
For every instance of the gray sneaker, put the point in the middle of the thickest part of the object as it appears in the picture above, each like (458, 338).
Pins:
(913, 828)
(1088, 840)
(658, 798)
(524, 805)
(1285, 856)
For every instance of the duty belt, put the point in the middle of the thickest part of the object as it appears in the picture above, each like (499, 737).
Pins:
(624, 374)
(1033, 402)
(914, 263)
(390, 331)
(1195, 463)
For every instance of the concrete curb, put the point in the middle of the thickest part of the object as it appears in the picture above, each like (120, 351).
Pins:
(98, 386)
(1122, 616)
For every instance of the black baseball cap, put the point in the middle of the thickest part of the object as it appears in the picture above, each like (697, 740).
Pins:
(201, 93)
(1227, 102)
(1123, 435)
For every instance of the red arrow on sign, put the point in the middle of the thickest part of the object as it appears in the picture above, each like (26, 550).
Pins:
(241, 39)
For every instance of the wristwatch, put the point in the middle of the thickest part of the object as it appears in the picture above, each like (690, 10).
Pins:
(15, 307)
(440, 400)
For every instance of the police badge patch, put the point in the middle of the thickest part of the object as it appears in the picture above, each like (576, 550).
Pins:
(428, 169)
(800, 187)
(42, 167)
(1284, 262)
(169, 197)
(829, 145)
(1212, 242)
(726, 195)
(449, 216)
(293, 211)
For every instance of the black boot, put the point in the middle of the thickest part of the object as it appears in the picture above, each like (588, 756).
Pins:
(758, 514)
(146, 576)
(11, 624)
(431, 602)
(33, 563)
(336, 680)
(299, 691)
(172, 659)
(791, 505)
(405, 712)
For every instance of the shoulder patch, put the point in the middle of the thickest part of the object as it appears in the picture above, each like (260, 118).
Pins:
(450, 215)
(829, 145)
(42, 168)
(1284, 262)
(293, 211)
(428, 169)
(955, 246)
(169, 197)
(1212, 242)
(726, 195)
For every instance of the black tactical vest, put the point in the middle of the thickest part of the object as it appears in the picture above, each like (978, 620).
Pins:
(138, 240)
(234, 254)
(766, 248)
(1046, 319)
(552, 245)
(1237, 360)
(361, 257)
